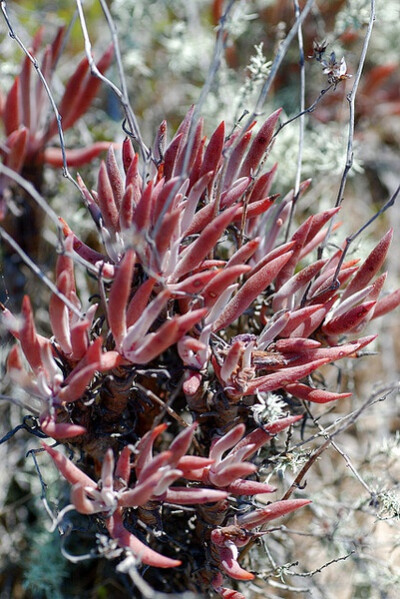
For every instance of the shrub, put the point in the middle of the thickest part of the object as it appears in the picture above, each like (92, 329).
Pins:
(210, 308)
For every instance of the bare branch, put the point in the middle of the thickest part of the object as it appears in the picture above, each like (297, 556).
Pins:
(212, 71)
(301, 121)
(351, 98)
(277, 63)
(121, 95)
(351, 238)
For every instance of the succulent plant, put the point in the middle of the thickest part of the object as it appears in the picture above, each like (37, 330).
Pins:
(205, 310)
(25, 114)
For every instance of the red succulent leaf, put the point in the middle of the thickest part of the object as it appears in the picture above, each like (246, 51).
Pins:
(283, 377)
(370, 266)
(76, 157)
(235, 158)
(68, 469)
(119, 295)
(249, 487)
(11, 112)
(213, 153)
(28, 337)
(348, 321)
(259, 145)
(257, 283)
(231, 566)
(83, 96)
(16, 144)
(261, 436)
(285, 296)
(108, 208)
(263, 185)
(190, 496)
(272, 511)
(198, 250)
(145, 447)
(307, 393)
(60, 430)
(124, 538)
(387, 304)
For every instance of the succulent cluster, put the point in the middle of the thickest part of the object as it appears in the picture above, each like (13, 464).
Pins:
(204, 310)
(24, 111)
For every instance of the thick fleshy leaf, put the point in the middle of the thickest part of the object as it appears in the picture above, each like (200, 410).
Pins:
(285, 297)
(28, 337)
(225, 476)
(141, 493)
(249, 487)
(78, 383)
(68, 469)
(370, 266)
(11, 113)
(118, 297)
(260, 436)
(274, 381)
(257, 283)
(236, 155)
(272, 511)
(190, 496)
(108, 208)
(198, 250)
(387, 304)
(145, 447)
(213, 153)
(60, 430)
(307, 393)
(17, 146)
(231, 566)
(229, 440)
(141, 551)
(259, 145)
(346, 322)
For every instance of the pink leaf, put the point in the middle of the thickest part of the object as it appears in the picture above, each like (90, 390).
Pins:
(213, 153)
(285, 297)
(231, 566)
(190, 496)
(145, 447)
(307, 393)
(17, 144)
(257, 283)
(115, 178)
(107, 205)
(77, 383)
(11, 112)
(349, 320)
(249, 487)
(371, 265)
(28, 337)
(118, 297)
(261, 436)
(274, 510)
(283, 377)
(198, 250)
(259, 145)
(387, 304)
(60, 430)
(75, 157)
(68, 469)
(126, 539)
